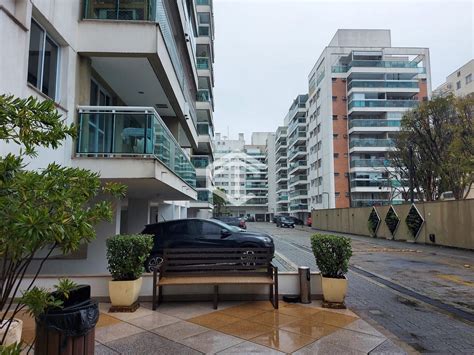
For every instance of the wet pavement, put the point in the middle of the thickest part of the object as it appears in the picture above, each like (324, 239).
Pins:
(422, 294)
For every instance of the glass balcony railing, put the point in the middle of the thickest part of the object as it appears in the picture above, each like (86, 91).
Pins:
(300, 163)
(203, 2)
(283, 208)
(382, 84)
(377, 64)
(203, 63)
(383, 103)
(257, 201)
(204, 31)
(256, 186)
(205, 196)
(298, 207)
(204, 129)
(300, 192)
(200, 162)
(298, 178)
(282, 198)
(203, 95)
(296, 150)
(374, 123)
(369, 163)
(371, 142)
(123, 131)
(143, 10)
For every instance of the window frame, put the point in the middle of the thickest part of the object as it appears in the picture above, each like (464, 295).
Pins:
(39, 85)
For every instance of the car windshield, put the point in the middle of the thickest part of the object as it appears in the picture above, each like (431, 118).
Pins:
(226, 226)
(286, 219)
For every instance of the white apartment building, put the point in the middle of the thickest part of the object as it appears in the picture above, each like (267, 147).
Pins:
(136, 77)
(358, 90)
(281, 170)
(270, 161)
(459, 83)
(241, 172)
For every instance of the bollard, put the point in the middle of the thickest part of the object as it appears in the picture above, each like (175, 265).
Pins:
(305, 284)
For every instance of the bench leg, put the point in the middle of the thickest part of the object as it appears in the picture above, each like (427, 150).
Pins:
(154, 291)
(216, 295)
(270, 296)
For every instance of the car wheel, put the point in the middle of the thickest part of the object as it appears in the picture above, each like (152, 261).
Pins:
(153, 262)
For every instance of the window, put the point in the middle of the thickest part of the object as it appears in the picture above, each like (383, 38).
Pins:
(43, 61)
(458, 74)
(468, 78)
(458, 85)
(211, 230)
(334, 117)
(334, 98)
(335, 136)
(336, 155)
(337, 194)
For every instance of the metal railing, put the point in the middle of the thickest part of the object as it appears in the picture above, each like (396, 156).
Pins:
(371, 142)
(383, 103)
(382, 84)
(369, 163)
(131, 131)
(374, 123)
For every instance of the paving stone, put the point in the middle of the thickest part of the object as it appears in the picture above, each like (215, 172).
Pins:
(388, 348)
(211, 342)
(249, 348)
(180, 330)
(143, 343)
(326, 348)
(116, 331)
(101, 349)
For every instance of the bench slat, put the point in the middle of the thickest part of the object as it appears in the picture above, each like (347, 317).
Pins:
(215, 280)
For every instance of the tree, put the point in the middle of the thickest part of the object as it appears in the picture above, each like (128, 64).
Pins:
(219, 200)
(437, 141)
(43, 210)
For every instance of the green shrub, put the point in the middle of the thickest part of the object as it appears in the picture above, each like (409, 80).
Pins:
(332, 254)
(126, 255)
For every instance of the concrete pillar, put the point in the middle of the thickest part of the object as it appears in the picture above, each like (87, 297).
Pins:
(138, 214)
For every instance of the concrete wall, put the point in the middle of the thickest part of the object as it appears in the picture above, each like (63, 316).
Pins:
(451, 222)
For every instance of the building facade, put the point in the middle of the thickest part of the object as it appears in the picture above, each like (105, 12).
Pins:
(281, 170)
(459, 83)
(270, 161)
(358, 90)
(143, 107)
(240, 171)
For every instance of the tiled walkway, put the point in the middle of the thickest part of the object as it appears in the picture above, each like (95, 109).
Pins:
(238, 328)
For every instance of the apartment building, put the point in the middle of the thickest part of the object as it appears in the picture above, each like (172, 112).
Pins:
(241, 172)
(270, 161)
(459, 83)
(136, 77)
(203, 157)
(358, 90)
(281, 170)
(297, 158)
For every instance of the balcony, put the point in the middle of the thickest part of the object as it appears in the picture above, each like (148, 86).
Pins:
(369, 163)
(200, 162)
(300, 192)
(394, 84)
(371, 142)
(203, 63)
(282, 198)
(298, 178)
(203, 95)
(378, 64)
(299, 164)
(257, 202)
(299, 207)
(383, 103)
(203, 2)
(124, 10)
(133, 132)
(374, 123)
(204, 129)
(205, 196)
(256, 186)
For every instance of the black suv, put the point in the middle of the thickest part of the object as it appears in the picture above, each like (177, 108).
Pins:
(201, 233)
(285, 222)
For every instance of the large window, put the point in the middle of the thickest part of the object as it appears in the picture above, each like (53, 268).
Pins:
(43, 61)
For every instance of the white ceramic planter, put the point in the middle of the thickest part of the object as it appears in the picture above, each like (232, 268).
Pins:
(334, 290)
(14, 332)
(124, 293)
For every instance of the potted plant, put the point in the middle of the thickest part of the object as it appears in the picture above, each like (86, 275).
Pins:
(332, 255)
(42, 211)
(126, 256)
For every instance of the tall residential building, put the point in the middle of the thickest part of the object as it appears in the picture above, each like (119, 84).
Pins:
(241, 172)
(358, 90)
(459, 83)
(270, 161)
(203, 156)
(281, 170)
(136, 78)
(297, 158)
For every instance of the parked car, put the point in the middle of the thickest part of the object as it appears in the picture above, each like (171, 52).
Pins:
(285, 222)
(277, 218)
(298, 222)
(309, 222)
(233, 221)
(201, 233)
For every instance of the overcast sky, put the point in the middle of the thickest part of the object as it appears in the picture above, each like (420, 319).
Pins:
(264, 49)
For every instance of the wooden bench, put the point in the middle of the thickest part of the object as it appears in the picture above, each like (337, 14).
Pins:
(217, 266)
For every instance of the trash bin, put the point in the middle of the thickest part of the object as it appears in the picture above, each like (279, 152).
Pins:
(70, 330)
(305, 284)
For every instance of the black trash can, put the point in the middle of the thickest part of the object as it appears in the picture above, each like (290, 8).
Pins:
(70, 330)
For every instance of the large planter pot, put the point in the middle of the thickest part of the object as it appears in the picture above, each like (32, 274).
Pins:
(334, 290)
(14, 332)
(124, 293)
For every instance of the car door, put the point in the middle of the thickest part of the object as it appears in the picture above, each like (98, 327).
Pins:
(179, 235)
(211, 236)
